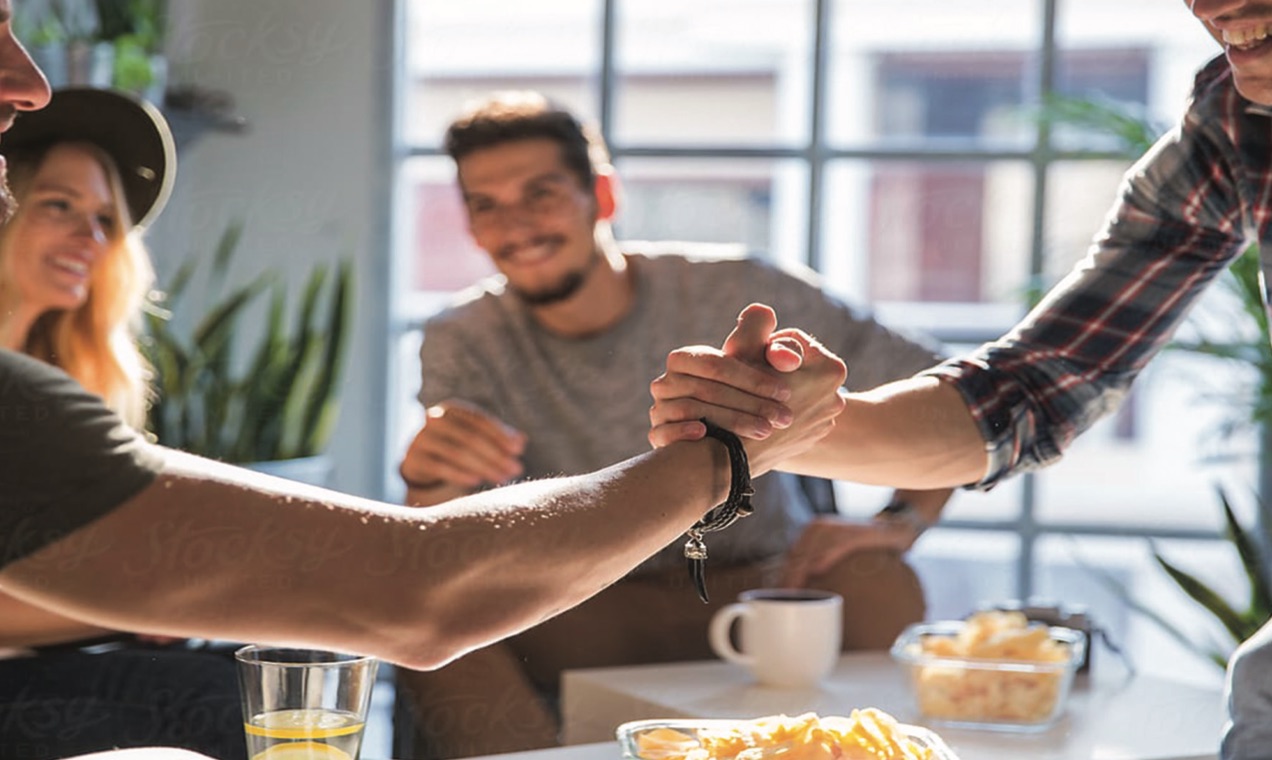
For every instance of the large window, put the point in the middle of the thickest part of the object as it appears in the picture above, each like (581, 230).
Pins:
(897, 148)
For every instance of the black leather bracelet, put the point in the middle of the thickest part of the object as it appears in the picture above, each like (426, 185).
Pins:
(736, 505)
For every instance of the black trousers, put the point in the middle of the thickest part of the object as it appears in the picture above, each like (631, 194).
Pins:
(73, 702)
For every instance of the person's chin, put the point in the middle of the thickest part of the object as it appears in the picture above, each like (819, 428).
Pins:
(1252, 72)
(558, 292)
(1256, 89)
(66, 298)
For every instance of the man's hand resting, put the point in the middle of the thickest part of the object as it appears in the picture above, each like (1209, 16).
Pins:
(459, 449)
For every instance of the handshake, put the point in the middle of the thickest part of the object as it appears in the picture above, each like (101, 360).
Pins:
(779, 390)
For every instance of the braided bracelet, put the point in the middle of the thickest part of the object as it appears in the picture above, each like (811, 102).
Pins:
(736, 505)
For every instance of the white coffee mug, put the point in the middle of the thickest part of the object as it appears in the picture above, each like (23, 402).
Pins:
(786, 637)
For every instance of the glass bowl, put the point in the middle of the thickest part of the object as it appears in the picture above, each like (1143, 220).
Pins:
(629, 735)
(996, 694)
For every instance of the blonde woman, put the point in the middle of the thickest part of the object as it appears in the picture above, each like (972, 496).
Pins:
(88, 173)
(73, 272)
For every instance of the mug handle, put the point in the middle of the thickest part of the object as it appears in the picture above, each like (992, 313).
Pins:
(718, 634)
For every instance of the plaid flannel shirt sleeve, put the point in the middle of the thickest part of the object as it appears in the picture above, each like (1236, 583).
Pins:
(1178, 223)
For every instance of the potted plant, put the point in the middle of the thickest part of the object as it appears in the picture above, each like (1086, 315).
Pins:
(271, 402)
(135, 31)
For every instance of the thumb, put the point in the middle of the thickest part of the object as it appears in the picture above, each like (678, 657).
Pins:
(750, 337)
(785, 353)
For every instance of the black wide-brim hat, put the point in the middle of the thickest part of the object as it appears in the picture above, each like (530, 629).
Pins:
(130, 130)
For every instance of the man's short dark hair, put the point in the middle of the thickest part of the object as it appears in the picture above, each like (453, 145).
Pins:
(523, 115)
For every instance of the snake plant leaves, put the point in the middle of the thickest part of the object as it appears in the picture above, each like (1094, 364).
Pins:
(1260, 606)
(321, 408)
(274, 399)
(1215, 604)
(1238, 624)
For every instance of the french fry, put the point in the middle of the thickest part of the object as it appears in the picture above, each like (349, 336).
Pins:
(969, 693)
(867, 734)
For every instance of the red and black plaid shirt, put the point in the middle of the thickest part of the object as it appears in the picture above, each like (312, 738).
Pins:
(1189, 207)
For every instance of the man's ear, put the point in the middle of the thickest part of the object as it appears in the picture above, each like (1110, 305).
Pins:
(607, 192)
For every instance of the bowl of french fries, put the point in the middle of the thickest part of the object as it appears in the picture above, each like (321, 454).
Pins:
(995, 670)
(865, 734)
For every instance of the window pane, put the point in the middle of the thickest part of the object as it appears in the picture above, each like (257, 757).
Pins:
(459, 51)
(1079, 196)
(1151, 463)
(433, 237)
(1000, 504)
(758, 203)
(1132, 54)
(929, 232)
(958, 73)
(724, 72)
(962, 570)
(406, 416)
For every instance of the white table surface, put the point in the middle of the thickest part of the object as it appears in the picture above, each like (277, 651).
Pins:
(1109, 717)
(595, 751)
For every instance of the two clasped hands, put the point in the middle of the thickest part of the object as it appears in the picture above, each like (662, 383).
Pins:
(744, 386)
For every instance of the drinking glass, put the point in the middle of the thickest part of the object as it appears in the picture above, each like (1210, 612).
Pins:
(304, 704)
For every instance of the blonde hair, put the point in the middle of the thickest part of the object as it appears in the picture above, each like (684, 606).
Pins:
(96, 343)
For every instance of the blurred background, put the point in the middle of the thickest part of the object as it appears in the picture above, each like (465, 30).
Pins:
(910, 150)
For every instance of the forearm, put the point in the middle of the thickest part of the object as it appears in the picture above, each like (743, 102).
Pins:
(214, 551)
(25, 625)
(927, 503)
(915, 433)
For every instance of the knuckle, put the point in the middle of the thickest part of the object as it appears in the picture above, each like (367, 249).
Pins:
(679, 357)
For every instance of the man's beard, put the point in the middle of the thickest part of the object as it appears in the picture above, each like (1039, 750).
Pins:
(562, 290)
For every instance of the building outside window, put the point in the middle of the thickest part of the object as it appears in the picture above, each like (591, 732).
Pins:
(895, 147)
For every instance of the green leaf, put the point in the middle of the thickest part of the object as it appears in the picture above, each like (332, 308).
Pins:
(321, 413)
(226, 245)
(1251, 562)
(180, 281)
(241, 403)
(1231, 620)
(1132, 130)
(259, 429)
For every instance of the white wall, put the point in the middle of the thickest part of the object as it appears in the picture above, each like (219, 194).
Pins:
(310, 77)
